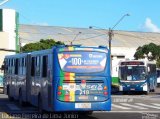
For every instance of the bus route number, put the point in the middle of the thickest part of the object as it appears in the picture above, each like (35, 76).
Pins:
(84, 92)
(76, 61)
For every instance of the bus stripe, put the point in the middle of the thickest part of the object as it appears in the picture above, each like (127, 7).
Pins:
(61, 84)
(72, 92)
(71, 48)
(67, 77)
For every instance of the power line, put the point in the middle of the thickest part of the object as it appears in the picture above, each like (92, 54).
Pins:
(135, 36)
(56, 33)
(3, 2)
(88, 38)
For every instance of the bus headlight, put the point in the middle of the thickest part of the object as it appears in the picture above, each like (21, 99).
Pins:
(145, 87)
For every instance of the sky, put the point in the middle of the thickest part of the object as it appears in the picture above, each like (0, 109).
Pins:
(144, 14)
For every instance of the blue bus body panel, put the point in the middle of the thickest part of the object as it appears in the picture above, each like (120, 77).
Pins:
(71, 106)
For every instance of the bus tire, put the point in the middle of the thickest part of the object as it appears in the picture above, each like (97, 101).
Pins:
(8, 93)
(40, 110)
(86, 113)
(20, 100)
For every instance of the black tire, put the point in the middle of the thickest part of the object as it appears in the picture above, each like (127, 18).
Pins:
(86, 113)
(9, 96)
(125, 93)
(20, 100)
(40, 110)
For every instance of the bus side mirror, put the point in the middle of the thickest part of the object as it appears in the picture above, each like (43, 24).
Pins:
(148, 69)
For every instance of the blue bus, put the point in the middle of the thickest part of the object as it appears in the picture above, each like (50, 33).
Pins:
(64, 78)
(137, 76)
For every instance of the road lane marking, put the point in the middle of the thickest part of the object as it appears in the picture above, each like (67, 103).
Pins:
(134, 106)
(118, 106)
(128, 111)
(150, 106)
(13, 107)
(155, 104)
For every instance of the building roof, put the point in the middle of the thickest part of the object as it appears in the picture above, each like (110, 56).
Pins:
(86, 36)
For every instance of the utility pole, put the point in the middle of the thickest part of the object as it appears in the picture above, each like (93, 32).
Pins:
(110, 35)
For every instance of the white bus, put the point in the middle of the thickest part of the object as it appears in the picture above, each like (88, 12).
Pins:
(158, 76)
(137, 76)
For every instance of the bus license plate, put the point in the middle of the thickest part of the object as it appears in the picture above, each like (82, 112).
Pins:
(82, 105)
(132, 89)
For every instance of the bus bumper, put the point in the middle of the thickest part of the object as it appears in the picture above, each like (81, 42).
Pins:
(83, 106)
(142, 87)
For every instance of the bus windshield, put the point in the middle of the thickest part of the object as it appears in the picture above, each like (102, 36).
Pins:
(133, 73)
(82, 62)
(158, 73)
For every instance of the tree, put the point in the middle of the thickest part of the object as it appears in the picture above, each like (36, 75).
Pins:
(151, 51)
(41, 45)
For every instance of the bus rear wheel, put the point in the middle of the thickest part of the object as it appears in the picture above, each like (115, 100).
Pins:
(86, 113)
(9, 96)
(20, 100)
(40, 110)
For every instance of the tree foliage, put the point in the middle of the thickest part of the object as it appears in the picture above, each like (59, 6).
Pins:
(151, 51)
(41, 45)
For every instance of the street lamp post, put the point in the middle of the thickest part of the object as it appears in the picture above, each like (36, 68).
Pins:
(110, 32)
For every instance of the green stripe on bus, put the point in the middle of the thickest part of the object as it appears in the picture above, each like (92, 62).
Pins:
(61, 84)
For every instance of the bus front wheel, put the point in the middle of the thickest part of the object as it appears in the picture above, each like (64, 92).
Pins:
(9, 95)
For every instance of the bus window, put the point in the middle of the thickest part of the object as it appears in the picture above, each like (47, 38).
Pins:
(16, 66)
(82, 62)
(38, 66)
(33, 67)
(23, 66)
(45, 64)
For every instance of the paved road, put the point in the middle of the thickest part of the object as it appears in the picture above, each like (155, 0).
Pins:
(131, 106)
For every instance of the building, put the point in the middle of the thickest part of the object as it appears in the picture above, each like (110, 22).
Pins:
(8, 34)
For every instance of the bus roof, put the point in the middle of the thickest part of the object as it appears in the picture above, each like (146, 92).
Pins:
(62, 48)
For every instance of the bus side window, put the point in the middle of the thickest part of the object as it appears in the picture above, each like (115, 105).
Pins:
(33, 67)
(24, 66)
(20, 66)
(16, 66)
(12, 66)
(38, 66)
(44, 66)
